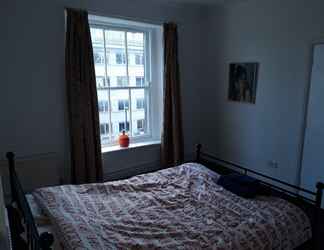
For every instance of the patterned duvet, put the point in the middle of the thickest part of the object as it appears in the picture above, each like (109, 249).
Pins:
(175, 208)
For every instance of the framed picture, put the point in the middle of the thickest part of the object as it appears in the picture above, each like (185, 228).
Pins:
(243, 80)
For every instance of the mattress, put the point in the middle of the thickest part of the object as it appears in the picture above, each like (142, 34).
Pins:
(176, 208)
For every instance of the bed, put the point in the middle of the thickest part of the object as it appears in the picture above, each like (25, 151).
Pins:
(175, 208)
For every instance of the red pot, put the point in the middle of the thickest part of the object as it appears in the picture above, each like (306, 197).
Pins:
(123, 140)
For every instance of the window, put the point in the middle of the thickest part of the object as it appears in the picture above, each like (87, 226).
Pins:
(130, 87)
(98, 57)
(101, 82)
(139, 59)
(103, 106)
(139, 81)
(120, 58)
(122, 81)
(123, 104)
(140, 104)
(140, 125)
(122, 126)
(104, 129)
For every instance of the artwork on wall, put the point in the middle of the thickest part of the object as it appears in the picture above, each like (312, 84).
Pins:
(243, 79)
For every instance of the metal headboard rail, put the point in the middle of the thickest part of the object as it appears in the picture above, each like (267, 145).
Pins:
(313, 203)
(34, 240)
(317, 195)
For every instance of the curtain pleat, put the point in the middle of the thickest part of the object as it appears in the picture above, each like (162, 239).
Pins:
(172, 148)
(86, 161)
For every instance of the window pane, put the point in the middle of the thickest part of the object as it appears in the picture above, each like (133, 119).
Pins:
(120, 111)
(116, 54)
(139, 111)
(98, 55)
(121, 81)
(123, 127)
(135, 48)
(103, 106)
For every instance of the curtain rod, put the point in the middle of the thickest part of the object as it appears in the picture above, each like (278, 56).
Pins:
(129, 18)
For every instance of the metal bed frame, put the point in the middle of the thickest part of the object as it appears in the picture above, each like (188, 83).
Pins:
(287, 191)
(312, 207)
(35, 241)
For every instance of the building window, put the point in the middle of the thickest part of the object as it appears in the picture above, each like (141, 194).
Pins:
(140, 104)
(122, 81)
(139, 81)
(122, 126)
(98, 58)
(140, 125)
(104, 129)
(123, 105)
(120, 58)
(139, 59)
(101, 82)
(125, 101)
(103, 106)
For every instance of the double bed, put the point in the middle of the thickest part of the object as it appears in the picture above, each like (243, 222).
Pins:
(181, 207)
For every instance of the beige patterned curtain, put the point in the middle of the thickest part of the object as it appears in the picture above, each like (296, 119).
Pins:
(172, 135)
(86, 162)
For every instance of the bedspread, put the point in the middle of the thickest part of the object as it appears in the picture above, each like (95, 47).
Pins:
(175, 208)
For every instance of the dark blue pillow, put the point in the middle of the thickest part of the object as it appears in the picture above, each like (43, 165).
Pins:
(241, 185)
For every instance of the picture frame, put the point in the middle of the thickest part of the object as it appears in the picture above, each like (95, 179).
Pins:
(243, 81)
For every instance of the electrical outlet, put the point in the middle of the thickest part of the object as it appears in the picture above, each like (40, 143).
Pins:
(273, 164)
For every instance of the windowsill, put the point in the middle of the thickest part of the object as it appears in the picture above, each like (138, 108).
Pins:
(113, 148)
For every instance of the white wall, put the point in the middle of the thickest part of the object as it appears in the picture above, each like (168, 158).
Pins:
(313, 161)
(33, 99)
(279, 35)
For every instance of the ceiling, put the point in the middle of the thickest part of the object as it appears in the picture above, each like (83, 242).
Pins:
(199, 2)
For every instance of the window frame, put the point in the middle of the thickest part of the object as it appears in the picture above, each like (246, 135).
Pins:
(147, 84)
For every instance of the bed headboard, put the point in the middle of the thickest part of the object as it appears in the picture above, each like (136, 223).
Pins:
(228, 167)
(34, 240)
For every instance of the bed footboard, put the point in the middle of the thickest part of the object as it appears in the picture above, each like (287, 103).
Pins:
(35, 241)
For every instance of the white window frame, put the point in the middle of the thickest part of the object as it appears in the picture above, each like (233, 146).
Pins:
(154, 47)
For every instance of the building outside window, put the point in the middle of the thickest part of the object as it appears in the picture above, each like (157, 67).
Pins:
(99, 57)
(103, 106)
(139, 81)
(104, 129)
(130, 89)
(102, 82)
(122, 126)
(139, 60)
(120, 58)
(122, 81)
(140, 104)
(123, 105)
(140, 126)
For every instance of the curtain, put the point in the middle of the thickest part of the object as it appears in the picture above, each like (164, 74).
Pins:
(86, 162)
(172, 134)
